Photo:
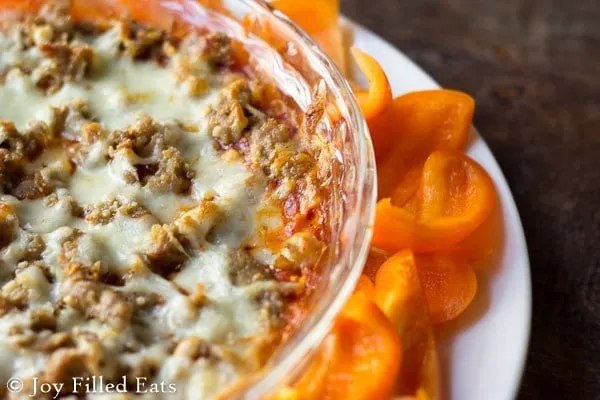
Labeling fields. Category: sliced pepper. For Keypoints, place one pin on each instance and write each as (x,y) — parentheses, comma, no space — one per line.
(366,286)
(404,192)
(479,247)
(359,359)
(78,8)
(421,395)
(320,19)
(21,5)
(313,16)
(375,260)
(455,197)
(379,95)
(449,285)
(399,295)
(333,42)
(412,127)
(286,393)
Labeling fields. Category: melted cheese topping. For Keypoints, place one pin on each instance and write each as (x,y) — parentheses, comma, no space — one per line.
(230,320)
(118,90)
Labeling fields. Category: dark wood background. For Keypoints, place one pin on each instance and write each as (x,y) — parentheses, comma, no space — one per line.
(534,69)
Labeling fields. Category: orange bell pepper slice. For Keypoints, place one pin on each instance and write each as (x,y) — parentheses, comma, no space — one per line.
(359,359)
(313,16)
(412,127)
(79,8)
(449,284)
(421,395)
(375,260)
(455,197)
(399,295)
(480,246)
(333,42)
(320,19)
(379,96)
(366,286)
(21,5)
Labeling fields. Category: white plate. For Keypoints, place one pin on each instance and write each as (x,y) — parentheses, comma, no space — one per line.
(483,352)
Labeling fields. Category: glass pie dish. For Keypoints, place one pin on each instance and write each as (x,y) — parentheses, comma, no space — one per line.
(300,70)
(307,68)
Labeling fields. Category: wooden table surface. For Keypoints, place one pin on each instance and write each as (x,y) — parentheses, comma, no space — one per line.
(534,69)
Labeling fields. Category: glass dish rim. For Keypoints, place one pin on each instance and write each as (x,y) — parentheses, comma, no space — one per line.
(366,192)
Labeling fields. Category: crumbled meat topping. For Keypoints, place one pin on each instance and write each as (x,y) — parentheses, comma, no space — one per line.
(14,295)
(234,111)
(246,269)
(16,148)
(63,59)
(266,138)
(300,251)
(194,225)
(69,121)
(9,224)
(30,284)
(141,41)
(33,187)
(291,164)
(144,227)
(51,343)
(167,253)
(101,213)
(193,348)
(146,137)
(53,23)
(42,319)
(97,301)
(173,173)
(134,210)
(216,49)
(56,15)
(34,248)
(65,62)
(196,86)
